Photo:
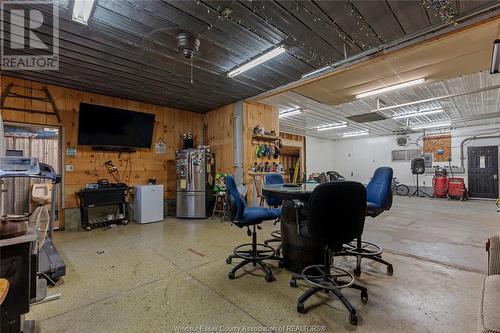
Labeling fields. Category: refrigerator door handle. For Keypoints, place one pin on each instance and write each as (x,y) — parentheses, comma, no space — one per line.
(188,172)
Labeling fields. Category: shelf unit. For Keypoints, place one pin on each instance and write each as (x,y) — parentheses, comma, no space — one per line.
(265,138)
(255,173)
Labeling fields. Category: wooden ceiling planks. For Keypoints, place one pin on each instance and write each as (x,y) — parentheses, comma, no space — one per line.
(318,50)
(129,47)
(380,18)
(411,14)
(344,14)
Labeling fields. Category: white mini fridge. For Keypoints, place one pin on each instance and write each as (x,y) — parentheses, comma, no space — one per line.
(148,204)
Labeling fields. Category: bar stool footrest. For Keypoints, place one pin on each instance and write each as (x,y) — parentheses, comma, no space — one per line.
(367,249)
(336,279)
(262,251)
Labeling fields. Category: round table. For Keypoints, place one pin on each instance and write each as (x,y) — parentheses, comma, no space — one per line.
(298,252)
(4,289)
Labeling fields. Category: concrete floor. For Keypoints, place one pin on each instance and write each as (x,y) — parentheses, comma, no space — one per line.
(172,276)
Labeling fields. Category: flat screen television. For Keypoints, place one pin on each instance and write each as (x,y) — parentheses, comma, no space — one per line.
(112,127)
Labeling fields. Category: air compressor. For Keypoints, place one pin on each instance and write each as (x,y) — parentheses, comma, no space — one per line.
(440,183)
(456,187)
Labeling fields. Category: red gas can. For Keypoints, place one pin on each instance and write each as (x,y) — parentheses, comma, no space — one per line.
(456,188)
(440,185)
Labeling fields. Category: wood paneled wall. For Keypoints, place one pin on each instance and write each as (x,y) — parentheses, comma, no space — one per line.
(214,129)
(89,165)
(219,135)
(256,114)
(218,131)
(293,149)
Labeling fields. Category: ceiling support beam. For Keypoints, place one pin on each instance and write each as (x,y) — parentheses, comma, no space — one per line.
(433,99)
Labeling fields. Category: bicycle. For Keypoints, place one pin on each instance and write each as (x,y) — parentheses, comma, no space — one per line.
(399,189)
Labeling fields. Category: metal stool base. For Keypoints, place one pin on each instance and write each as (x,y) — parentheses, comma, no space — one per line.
(255,254)
(328,283)
(276,234)
(261,252)
(337,278)
(367,250)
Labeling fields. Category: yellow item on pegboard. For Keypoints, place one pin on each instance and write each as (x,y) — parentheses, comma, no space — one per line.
(296,172)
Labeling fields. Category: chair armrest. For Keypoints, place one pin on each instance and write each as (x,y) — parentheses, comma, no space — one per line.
(298,205)
(493,248)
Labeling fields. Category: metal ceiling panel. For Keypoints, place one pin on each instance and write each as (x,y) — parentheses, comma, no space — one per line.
(472,109)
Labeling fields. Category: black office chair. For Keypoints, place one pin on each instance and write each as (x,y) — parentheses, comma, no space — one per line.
(250,217)
(379,199)
(335,216)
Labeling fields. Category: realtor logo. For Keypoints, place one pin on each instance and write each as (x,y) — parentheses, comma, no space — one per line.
(29,35)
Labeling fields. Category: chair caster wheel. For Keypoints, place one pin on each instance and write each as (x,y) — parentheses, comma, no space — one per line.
(300,308)
(353,319)
(390,270)
(293,284)
(278,252)
(230,275)
(269,277)
(281,264)
(364,296)
(228,261)
(357,272)
(88,228)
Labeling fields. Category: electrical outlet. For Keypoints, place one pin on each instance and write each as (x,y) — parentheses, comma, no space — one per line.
(70,168)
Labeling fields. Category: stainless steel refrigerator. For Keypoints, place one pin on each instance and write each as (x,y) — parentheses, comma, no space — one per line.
(195,180)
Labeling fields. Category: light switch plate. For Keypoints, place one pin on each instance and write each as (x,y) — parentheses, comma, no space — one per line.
(71,151)
(70,167)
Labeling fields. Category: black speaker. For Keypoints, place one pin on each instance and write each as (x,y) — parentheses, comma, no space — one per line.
(417,166)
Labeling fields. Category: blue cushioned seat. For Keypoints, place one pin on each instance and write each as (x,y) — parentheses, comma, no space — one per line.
(371,205)
(255,215)
(273,179)
(244,216)
(379,192)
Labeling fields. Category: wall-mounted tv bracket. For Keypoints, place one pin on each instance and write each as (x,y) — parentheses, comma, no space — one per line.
(8,92)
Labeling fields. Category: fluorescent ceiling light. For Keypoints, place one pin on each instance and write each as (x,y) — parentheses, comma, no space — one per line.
(319,70)
(330,127)
(82,10)
(425,126)
(257,61)
(390,88)
(417,114)
(290,113)
(351,134)
(495,57)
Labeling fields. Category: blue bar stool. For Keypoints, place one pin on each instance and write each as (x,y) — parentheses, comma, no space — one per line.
(379,199)
(250,217)
(274,178)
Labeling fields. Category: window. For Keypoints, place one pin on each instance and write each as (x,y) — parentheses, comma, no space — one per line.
(403,155)
(398,155)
